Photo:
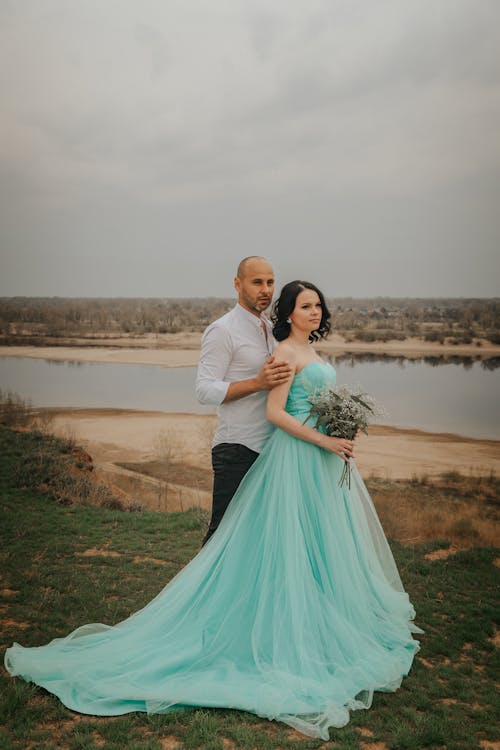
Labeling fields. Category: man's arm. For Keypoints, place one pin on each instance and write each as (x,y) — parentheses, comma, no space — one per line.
(215,358)
(269,376)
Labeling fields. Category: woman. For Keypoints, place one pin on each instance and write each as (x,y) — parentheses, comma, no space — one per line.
(294,610)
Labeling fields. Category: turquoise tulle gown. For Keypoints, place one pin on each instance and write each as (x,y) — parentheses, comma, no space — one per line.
(294,610)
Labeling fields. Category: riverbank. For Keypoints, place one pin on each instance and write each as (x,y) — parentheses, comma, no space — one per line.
(125,443)
(182,349)
(143,447)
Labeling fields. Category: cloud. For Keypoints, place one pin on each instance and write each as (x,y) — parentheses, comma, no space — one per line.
(156,44)
(181,109)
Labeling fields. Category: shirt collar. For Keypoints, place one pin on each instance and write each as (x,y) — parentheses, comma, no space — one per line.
(251,317)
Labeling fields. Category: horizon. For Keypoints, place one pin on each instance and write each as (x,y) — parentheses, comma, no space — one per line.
(437,297)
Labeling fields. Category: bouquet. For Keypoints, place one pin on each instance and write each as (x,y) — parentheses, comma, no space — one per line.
(342,414)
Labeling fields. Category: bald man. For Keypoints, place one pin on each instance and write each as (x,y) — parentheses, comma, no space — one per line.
(236,369)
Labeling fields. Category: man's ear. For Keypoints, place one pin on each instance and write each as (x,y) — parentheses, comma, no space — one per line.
(237,284)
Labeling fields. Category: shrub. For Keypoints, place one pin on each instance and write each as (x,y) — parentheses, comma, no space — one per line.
(434,336)
(451,476)
(59,469)
(15,411)
(493,337)
(465,529)
(365,335)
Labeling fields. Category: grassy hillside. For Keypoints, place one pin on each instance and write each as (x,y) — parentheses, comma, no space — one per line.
(63,565)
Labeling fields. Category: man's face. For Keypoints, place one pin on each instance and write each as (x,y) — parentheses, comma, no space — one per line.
(255,289)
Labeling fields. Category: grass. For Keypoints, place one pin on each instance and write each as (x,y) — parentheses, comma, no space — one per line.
(64,565)
(464,510)
(177,472)
(61,470)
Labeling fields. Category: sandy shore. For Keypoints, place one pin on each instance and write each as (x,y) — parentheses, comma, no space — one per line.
(114,436)
(182,350)
(161,357)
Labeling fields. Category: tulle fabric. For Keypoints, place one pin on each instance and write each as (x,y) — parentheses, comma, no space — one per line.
(294,610)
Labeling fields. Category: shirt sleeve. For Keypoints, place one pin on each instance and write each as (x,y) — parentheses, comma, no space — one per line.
(215,357)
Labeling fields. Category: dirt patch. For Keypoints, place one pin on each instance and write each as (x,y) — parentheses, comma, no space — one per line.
(495,638)
(373,746)
(170,742)
(8,592)
(427,664)
(365,732)
(98,553)
(154,560)
(292,734)
(441,554)
(487,745)
(58,728)
(14,624)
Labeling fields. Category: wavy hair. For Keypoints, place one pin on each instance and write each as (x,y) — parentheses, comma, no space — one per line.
(285,305)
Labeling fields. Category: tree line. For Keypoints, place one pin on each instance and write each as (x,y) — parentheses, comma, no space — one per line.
(457,320)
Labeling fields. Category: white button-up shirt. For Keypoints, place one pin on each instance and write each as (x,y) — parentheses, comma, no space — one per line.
(234,348)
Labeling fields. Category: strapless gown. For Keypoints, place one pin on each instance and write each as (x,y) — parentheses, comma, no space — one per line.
(294,610)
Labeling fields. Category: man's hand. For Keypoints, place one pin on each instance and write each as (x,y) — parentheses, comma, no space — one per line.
(273,373)
(269,376)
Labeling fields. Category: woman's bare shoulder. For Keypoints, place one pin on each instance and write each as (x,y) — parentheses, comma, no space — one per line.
(285,351)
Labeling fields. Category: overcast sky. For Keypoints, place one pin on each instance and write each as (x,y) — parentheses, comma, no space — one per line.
(146,146)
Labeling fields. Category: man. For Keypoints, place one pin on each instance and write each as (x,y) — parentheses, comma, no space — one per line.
(236,369)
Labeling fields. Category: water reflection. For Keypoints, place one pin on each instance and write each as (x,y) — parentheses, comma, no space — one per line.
(68,362)
(452,394)
(467,362)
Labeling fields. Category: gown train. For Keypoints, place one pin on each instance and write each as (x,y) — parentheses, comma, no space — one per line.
(294,610)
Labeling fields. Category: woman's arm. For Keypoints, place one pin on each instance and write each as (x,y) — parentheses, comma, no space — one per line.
(276,414)
(215,357)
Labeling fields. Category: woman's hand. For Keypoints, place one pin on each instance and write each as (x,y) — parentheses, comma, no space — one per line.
(340,446)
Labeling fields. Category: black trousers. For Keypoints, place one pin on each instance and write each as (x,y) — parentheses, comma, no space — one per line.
(230,462)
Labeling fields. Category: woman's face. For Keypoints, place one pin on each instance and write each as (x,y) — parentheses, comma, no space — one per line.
(307,313)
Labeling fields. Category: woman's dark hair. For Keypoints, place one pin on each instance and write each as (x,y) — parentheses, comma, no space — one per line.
(285,305)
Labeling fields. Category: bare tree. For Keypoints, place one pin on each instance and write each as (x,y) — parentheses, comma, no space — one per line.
(169,448)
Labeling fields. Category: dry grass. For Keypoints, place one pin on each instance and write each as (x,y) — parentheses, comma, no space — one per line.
(464,510)
(177,472)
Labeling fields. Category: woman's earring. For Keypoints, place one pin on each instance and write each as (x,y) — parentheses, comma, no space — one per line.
(288,321)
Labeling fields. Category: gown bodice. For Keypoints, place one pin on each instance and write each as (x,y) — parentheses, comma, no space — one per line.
(313,377)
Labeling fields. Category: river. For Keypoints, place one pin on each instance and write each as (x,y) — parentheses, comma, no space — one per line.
(459,397)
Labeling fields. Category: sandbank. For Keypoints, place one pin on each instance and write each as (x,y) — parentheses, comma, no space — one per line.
(115,436)
(160,357)
(128,436)
(182,350)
